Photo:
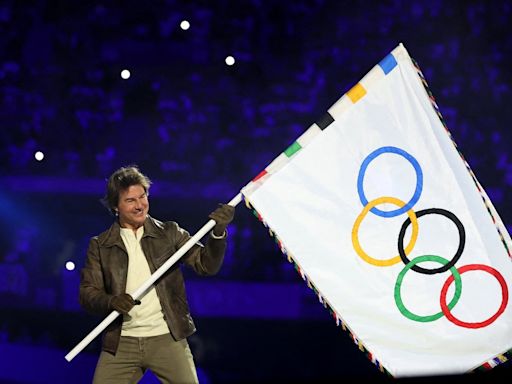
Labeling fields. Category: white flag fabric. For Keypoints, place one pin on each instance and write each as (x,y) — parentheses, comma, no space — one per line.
(388,224)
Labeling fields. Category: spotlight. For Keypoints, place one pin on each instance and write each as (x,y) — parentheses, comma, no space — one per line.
(125,74)
(70,266)
(185,25)
(230,60)
(39,156)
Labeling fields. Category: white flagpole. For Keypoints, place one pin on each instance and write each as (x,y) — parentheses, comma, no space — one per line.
(149,282)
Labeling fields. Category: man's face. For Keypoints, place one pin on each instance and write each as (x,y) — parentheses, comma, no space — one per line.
(133,207)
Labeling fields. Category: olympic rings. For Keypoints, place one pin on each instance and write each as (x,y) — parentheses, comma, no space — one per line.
(458,253)
(402,253)
(355,231)
(474,267)
(419,180)
(398,298)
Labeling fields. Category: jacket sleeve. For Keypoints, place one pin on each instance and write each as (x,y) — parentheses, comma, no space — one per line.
(203,259)
(93,296)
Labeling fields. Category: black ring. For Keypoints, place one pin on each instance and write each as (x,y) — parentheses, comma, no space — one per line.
(458,254)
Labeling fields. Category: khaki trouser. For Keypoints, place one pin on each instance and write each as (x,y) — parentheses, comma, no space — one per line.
(171,361)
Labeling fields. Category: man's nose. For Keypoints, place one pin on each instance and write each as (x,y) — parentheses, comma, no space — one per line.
(138,204)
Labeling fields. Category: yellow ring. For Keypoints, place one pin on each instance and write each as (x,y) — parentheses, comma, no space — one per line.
(355,230)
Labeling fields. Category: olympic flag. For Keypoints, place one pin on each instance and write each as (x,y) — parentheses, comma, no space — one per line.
(387,223)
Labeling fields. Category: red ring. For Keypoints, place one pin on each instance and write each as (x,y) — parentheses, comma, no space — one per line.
(473,267)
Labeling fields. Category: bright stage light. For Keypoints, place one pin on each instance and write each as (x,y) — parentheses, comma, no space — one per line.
(70,266)
(230,60)
(39,155)
(185,25)
(125,74)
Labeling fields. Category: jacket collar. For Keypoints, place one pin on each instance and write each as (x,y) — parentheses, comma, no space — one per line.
(112,236)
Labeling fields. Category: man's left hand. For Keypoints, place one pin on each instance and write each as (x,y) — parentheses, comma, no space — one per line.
(223,215)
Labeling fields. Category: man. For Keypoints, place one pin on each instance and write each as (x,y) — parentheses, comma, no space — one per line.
(152,332)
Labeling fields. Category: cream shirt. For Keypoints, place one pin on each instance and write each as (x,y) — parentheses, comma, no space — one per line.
(146,319)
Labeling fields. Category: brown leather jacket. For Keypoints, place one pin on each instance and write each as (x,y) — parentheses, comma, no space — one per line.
(104,274)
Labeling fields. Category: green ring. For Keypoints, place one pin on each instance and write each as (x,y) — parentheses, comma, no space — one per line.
(398,299)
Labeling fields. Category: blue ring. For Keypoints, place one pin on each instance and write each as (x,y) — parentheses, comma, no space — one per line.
(419,181)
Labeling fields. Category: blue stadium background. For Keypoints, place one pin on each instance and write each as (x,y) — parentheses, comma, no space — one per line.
(201,130)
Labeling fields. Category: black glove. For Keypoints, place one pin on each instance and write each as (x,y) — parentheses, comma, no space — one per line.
(123,303)
(223,215)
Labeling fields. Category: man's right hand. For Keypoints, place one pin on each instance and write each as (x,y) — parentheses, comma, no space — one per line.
(123,303)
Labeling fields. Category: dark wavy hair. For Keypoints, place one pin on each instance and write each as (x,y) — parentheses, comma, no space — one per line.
(121,180)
